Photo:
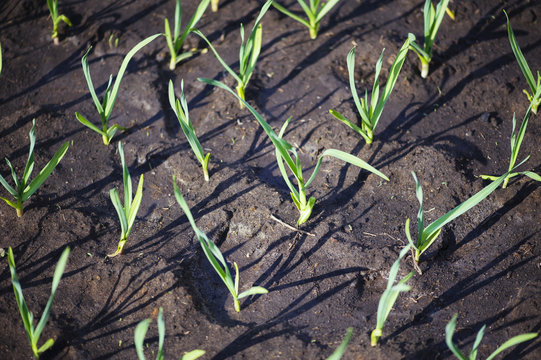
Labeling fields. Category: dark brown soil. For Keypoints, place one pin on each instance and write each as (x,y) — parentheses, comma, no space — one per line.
(449,128)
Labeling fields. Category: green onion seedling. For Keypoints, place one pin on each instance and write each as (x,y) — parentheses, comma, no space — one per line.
(105,107)
(181,111)
(175,41)
(534,86)
(28,318)
(370,112)
(450,329)
(284,150)
(139,338)
(432,19)
(313,11)
(339,352)
(389,296)
(516,141)
(24,188)
(128,212)
(215,257)
(214,5)
(57,18)
(427,235)
(248,53)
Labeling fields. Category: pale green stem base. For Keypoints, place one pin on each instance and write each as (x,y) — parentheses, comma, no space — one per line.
(374,336)
(240,92)
(121,244)
(424,68)
(237,304)
(105,139)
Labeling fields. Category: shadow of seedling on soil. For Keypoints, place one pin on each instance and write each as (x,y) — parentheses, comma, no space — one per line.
(119,304)
(466,287)
(260,333)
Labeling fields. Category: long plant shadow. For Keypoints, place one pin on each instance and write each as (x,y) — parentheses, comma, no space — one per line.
(467,286)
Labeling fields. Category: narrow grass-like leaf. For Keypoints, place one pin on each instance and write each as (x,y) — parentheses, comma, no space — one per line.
(389,296)
(450,329)
(339,352)
(26,315)
(215,257)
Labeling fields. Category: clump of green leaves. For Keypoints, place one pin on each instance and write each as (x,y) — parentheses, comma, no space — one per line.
(105,107)
(139,338)
(389,296)
(450,329)
(128,212)
(534,98)
(24,188)
(284,152)
(432,21)
(28,318)
(215,257)
(516,142)
(181,111)
(339,352)
(57,18)
(214,5)
(248,53)
(175,41)
(370,112)
(315,10)
(427,235)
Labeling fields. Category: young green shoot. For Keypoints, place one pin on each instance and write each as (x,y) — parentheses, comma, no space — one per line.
(370,111)
(450,329)
(128,212)
(516,142)
(389,296)
(214,5)
(24,188)
(432,20)
(28,318)
(287,152)
(139,339)
(315,10)
(181,111)
(248,53)
(105,107)
(427,235)
(57,18)
(175,41)
(215,257)
(534,98)
(340,350)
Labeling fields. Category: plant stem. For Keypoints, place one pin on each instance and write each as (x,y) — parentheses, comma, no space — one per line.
(214,5)
(374,336)
(173,63)
(424,68)
(206,173)
(237,304)
(240,92)
(19,209)
(105,139)
(313,31)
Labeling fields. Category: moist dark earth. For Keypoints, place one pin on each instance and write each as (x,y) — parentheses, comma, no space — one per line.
(449,128)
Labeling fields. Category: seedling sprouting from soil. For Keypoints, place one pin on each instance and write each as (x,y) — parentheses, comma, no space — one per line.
(516,141)
(57,18)
(105,107)
(139,338)
(315,10)
(432,20)
(389,296)
(339,352)
(450,329)
(534,98)
(214,5)
(28,318)
(427,235)
(181,111)
(24,188)
(175,41)
(248,52)
(215,257)
(128,212)
(284,150)
(370,112)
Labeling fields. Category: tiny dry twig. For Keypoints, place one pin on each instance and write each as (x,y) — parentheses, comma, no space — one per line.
(291,227)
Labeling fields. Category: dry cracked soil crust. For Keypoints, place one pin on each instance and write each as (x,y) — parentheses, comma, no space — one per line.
(449,128)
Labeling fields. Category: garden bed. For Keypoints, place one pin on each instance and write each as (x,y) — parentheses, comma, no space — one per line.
(448,128)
